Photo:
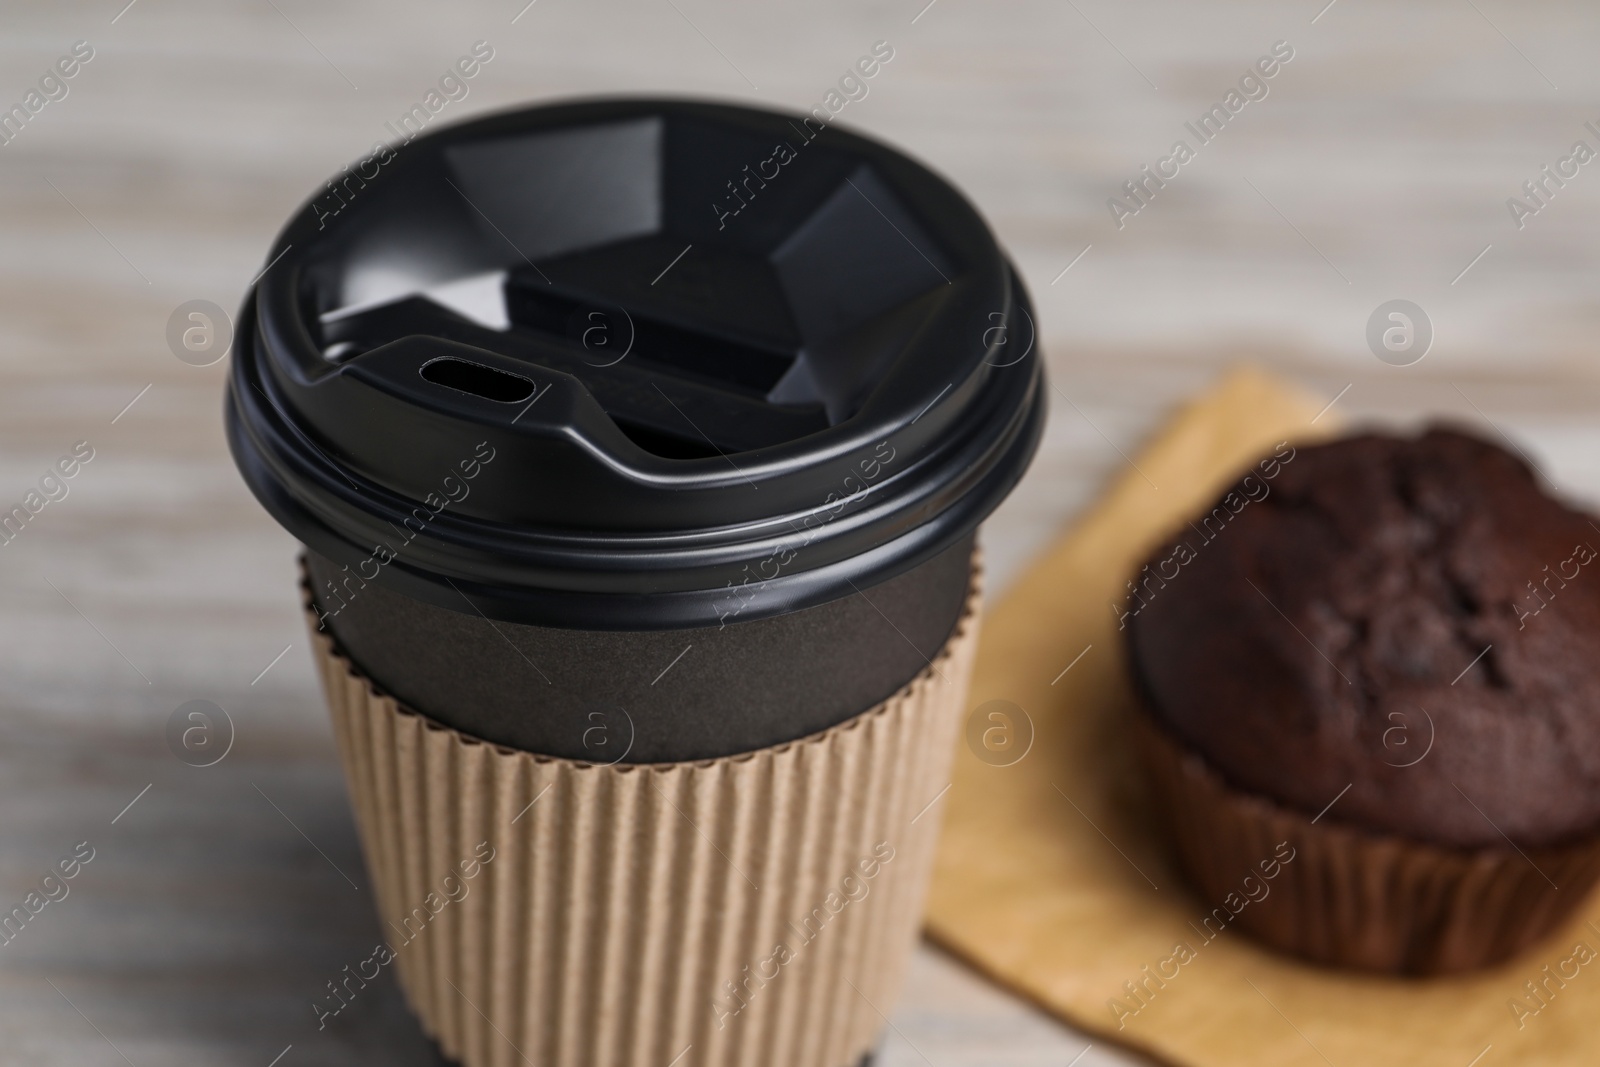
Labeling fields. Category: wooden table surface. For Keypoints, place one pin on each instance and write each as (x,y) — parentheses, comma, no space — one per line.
(1378,166)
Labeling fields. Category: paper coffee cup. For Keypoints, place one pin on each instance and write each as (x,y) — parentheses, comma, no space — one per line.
(640,443)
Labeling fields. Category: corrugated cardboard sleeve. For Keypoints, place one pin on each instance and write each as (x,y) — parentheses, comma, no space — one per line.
(621,901)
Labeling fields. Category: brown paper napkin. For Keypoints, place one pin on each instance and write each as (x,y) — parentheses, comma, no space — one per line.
(1052,880)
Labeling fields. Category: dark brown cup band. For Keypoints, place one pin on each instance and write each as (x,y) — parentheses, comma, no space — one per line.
(664,696)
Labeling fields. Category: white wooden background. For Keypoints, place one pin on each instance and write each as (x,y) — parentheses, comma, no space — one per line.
(1378,167)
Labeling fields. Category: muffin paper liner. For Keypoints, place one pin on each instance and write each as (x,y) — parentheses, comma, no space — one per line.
(1350,898)
(758,908)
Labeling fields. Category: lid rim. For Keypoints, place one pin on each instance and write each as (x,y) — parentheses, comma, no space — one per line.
(665,609)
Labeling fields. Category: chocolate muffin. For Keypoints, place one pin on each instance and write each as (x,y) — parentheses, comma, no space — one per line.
(1380,651)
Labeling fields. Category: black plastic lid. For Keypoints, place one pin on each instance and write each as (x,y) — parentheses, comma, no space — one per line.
(635,364)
